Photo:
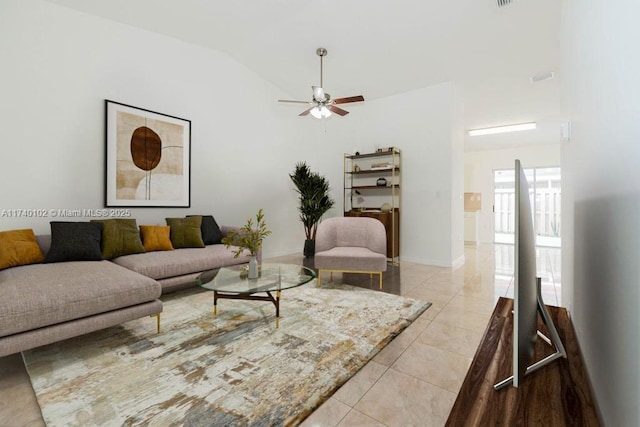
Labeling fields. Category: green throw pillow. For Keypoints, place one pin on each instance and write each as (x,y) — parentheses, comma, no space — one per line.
(186,232)
(120,236)
(211,234)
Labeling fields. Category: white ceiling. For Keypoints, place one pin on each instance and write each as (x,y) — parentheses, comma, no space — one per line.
(379,48)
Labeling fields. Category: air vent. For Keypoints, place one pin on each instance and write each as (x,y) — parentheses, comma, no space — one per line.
(542,77)
(503,3)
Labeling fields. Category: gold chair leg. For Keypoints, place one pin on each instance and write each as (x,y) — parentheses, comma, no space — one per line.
(380,279)
(157,316)
(319,277)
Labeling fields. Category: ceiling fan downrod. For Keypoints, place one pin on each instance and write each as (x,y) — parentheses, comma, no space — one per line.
(321,52)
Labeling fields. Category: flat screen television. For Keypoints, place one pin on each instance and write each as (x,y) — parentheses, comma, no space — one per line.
(527,301)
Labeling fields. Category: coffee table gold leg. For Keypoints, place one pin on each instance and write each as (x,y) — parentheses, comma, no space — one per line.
(277,309)
(215,303)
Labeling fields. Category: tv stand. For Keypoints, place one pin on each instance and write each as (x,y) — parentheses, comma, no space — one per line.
(555,341)
(558,395)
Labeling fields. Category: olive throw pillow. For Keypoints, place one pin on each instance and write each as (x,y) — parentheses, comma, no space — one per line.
(185,232)
(211,234)
(120,236)
(156,238)
(19,247)
(75,241)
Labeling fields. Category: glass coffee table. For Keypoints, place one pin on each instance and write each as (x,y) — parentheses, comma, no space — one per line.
(233,283)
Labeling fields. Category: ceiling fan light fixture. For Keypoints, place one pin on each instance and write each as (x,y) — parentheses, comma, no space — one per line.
(320,111)
(315,112)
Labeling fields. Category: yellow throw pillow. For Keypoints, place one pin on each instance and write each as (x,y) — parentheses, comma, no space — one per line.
(156,238)
(19,247)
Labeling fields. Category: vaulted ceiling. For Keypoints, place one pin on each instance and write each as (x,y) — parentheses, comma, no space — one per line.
(379,48)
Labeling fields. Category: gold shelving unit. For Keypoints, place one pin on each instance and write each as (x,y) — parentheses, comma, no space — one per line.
(372,183)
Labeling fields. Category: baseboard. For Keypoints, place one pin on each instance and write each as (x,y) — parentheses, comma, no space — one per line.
(436,262)
(458,262)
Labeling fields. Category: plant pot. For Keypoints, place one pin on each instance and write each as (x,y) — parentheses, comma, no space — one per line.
(253,268)
(309,248)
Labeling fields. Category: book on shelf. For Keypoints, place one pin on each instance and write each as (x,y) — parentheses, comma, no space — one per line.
(378,166)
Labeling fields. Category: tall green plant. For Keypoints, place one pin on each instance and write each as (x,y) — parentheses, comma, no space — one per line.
(313,190)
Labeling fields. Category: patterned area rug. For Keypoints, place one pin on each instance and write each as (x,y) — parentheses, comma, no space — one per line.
(233,369)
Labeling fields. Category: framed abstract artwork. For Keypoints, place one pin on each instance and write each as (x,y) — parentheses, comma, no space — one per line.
(148,158)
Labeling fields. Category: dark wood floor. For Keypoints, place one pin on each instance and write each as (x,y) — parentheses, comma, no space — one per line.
(557,395)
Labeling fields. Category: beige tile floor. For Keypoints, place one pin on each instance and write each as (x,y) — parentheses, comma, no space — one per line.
(415,379)
(411,382)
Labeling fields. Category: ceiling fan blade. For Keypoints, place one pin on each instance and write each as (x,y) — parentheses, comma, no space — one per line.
(293,102)
(318,93)
(337,110)
(358,98)
(306,112)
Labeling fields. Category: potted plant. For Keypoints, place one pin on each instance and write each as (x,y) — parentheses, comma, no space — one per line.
(249,238)
(314,202)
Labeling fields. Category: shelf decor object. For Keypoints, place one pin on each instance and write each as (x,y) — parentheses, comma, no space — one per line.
(148,160)
(372,189)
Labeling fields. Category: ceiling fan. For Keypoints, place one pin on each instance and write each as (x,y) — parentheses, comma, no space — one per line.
(321,104)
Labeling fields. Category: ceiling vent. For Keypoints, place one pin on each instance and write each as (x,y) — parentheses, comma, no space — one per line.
(542,77)
(503,3)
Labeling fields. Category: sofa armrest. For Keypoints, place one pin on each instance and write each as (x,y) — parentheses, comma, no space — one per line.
(227,228)
(236,229)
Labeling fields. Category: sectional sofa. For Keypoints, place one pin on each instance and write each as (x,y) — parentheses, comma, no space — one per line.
(44,302)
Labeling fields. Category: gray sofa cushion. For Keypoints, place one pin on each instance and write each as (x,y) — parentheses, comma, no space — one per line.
(161,265)
(39,295)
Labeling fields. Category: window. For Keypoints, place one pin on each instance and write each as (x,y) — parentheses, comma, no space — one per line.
(545,194)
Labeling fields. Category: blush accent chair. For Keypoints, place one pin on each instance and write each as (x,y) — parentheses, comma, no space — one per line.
(351,245)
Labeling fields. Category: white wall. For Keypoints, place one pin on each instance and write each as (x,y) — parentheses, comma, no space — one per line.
(601,197)
(457,179)
(322,145)
(58,66)
(478,175)
(426,125)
